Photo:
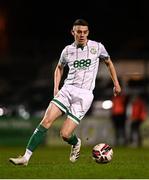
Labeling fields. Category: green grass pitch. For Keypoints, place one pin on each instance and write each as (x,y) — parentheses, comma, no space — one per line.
(53,163)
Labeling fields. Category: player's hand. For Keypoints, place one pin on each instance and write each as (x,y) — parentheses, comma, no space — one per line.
(55,91)
(116,90)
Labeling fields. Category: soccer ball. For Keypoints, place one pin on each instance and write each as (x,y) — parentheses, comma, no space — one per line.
(102,153)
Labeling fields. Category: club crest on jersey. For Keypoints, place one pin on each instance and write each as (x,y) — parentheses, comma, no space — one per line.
(93,50)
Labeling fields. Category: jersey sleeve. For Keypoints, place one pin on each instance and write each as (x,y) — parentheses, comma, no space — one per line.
(103,53)
(62,59)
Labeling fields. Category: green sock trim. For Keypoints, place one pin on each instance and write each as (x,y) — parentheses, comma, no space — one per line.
(42,128)
(37,137)
(72,140)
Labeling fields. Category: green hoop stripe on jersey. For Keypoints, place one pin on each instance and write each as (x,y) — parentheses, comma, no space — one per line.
(74,118)
(60,105)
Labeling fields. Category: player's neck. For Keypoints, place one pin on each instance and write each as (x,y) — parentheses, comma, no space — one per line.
(81,45)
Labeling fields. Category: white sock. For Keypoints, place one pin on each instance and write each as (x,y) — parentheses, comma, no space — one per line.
(28,154)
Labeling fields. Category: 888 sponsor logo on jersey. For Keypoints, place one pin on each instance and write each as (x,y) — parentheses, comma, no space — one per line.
(82,64)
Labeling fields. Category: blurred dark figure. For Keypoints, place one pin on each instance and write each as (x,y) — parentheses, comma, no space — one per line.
(138,115)
(118,116)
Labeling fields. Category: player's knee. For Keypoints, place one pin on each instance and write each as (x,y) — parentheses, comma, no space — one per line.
(46,122)
(64,135)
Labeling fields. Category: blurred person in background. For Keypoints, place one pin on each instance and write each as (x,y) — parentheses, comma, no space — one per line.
(76,95)
(138,116)
(118,116)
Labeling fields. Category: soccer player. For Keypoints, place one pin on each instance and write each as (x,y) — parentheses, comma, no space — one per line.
(76,95)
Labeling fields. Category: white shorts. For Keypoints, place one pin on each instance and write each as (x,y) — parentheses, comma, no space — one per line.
(74,101)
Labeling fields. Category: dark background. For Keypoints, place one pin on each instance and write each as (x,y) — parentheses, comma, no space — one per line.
(42,27)
(33,33)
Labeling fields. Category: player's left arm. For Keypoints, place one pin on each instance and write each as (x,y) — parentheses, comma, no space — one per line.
(113,74)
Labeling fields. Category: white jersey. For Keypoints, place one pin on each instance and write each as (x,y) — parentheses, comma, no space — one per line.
(83,63)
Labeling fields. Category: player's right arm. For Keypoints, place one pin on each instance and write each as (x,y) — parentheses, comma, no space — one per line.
(59,71)
(57,77)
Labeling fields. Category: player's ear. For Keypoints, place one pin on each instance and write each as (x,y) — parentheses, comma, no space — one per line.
(72,32)
(88,32)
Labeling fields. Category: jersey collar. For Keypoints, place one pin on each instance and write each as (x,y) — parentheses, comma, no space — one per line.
(79,46)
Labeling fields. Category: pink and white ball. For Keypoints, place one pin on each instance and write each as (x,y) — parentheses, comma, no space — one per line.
(102,153)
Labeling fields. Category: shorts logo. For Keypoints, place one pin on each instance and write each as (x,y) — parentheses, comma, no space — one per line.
(81,64)
(80,116)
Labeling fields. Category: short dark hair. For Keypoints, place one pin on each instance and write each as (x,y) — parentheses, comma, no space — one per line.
(80,22)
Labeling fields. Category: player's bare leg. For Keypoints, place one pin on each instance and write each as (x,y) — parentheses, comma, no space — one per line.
(66,133)
(51,114)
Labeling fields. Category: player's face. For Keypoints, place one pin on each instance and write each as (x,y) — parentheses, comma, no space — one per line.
(80,34)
